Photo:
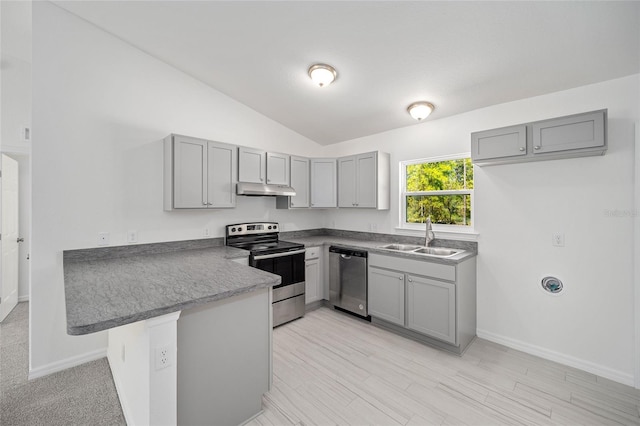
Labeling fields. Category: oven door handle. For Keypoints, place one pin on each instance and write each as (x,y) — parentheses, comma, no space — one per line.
(271,256)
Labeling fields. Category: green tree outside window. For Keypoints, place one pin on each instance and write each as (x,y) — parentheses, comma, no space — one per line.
(454,178)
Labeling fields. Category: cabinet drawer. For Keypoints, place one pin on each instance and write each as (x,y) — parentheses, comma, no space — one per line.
(419,267)
(312,253)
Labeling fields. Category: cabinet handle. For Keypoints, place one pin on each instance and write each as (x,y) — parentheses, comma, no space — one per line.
(400,278)
(292,204)
(268,180)
(410,280)
(537,147)
(209,204)
(522,148)
(204,204)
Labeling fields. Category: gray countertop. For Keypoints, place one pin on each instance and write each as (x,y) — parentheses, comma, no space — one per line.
(103,292)
(373,247)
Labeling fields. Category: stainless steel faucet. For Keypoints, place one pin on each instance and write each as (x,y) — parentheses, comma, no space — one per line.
(429,236)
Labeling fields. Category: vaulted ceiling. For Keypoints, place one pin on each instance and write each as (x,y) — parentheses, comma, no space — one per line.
(458,55)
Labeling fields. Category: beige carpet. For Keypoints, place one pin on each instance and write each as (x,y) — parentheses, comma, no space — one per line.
(83,395)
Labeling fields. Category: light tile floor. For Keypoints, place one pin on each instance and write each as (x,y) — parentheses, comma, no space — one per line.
(330,368)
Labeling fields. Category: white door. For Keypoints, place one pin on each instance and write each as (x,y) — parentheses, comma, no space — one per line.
(9,232)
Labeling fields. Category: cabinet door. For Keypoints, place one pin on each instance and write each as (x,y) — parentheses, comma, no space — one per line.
(431,308)
(499,143)
(568,133)
(300,181)
(221,175)
(386,295)
(277,169)
(189,173)
(347,182)
(312,281)
(323,182)
(366,180)
(251,165)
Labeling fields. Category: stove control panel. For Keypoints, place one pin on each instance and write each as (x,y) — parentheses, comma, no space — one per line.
(252,228)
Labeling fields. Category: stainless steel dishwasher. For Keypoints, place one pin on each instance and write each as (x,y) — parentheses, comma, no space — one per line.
(348,280)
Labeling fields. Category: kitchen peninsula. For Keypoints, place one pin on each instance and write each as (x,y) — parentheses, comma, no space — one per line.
(196,298)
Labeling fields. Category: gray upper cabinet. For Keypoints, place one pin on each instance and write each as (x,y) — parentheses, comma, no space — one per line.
(578,135)
(576,132)
(499,143)
(252,165)
(256,166)
(277,169)
(198,173)
(347,182)
(363,181)
(323,182)
(300,182)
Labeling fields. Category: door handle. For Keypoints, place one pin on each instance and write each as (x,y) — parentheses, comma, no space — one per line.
(345,256)
(20,240)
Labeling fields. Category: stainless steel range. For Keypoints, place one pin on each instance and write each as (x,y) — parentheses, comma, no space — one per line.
(284,258)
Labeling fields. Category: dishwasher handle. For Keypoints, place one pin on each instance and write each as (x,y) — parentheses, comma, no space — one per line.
(347,253)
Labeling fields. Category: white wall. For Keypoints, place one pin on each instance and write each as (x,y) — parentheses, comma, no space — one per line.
(518,207)
(100,111)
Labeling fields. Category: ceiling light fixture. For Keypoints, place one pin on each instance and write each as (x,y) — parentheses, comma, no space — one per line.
(420,110)
(322,74)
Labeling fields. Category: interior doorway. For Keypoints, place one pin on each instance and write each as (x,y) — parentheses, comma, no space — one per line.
(9,235)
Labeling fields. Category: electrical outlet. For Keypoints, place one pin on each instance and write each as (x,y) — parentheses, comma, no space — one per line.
(557,239)
(206,233)
(132,236)
(103,238)
(163,357)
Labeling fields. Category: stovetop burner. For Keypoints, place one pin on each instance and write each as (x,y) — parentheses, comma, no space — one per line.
(258,237)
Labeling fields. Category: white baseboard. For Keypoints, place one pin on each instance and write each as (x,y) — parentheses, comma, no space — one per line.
(23,298)
(64,364)
(588,366)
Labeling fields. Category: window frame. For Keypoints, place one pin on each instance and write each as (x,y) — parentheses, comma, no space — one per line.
(403,225)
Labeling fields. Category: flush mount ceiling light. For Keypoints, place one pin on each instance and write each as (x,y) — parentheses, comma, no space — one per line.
(420,110)
(322,74)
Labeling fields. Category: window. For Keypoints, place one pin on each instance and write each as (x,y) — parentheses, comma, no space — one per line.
(441,188)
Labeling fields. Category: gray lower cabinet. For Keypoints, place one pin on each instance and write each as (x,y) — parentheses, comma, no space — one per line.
(386,295)
(312,274)
(427,301)
(431,307)
(578,135)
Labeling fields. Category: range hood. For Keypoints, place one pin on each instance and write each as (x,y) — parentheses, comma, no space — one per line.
(257,189)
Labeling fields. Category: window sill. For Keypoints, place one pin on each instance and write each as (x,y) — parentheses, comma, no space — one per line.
(443,234)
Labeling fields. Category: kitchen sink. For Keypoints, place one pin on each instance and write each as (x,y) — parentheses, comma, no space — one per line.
(400,247)
(437,251)
(427,251)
